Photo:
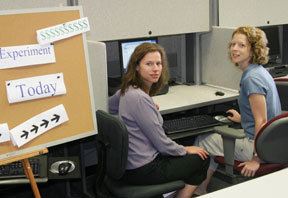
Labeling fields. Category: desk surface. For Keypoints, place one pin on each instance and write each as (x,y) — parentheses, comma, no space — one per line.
(268,186)
(184,97)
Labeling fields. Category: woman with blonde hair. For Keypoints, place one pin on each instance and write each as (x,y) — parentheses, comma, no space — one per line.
(258,101)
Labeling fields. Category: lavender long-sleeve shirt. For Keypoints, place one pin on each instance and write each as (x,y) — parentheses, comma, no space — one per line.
(144,124)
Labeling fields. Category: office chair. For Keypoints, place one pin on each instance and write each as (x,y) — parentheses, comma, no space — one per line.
(112,151)
(271,147)
(282,87)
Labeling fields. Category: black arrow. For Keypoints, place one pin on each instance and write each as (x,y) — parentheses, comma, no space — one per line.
(35,128)
(56,117)
(25,134)
(45,123)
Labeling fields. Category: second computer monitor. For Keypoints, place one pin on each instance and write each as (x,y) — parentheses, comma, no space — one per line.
(273,36)
(127,47)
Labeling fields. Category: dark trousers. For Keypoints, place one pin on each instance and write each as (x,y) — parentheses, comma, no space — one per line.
(189,168)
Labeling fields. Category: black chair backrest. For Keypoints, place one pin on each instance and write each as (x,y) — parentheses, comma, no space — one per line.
(113,133)
(282,86)
(272,140)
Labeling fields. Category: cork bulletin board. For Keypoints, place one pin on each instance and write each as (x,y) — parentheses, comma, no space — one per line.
(19,27)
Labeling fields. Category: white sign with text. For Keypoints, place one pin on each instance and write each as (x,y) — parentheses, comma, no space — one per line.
(26,55)
(36,87)
(4,133)
(38,125)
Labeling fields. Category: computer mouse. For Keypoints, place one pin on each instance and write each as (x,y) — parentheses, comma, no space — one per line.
(64,168)
(228,114)
(222,118)
(219,93)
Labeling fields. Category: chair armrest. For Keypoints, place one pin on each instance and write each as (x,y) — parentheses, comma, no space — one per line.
(229,136)
(229,132)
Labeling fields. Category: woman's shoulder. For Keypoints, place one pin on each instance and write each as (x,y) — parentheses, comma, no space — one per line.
(137,95)
(135,92)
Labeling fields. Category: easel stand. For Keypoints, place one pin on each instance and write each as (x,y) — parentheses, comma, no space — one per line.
(27,168)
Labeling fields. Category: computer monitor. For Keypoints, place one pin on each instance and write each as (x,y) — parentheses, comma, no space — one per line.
(127,47)
(273,36)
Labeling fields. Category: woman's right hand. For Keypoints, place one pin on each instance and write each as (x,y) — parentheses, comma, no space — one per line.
(236,117)
(197,150)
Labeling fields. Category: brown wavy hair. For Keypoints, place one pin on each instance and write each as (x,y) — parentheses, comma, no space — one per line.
(131,77)
(258,42)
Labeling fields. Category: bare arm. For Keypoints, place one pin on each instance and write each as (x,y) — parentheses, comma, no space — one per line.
(259,111)
(258,108)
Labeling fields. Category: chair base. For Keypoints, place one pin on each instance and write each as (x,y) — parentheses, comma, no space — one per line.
(119,189)
(231,179)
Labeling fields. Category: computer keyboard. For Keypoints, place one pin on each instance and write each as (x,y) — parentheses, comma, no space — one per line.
(189,123)
(15,170)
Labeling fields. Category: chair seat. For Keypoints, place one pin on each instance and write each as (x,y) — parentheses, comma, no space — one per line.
(120,189)
(263,170)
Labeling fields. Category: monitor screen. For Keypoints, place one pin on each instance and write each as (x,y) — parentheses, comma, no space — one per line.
(273,37)
(128,47)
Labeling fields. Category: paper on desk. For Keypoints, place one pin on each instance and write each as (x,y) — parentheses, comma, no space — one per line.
(4,133)
(38,125)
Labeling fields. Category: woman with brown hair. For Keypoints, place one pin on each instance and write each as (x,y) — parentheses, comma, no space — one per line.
(153,158)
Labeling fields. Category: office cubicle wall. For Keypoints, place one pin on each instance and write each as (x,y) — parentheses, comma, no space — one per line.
(234,13)
(115,20)
(98,67)
(216,67)
(23,4)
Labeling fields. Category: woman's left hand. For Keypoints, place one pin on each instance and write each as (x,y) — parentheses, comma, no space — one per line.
(197,150)
(250,168)
(157,106)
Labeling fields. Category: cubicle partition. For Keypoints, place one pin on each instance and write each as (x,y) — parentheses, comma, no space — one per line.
(116,20)
(216,67)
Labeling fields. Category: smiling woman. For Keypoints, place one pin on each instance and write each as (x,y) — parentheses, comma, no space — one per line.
(258,100)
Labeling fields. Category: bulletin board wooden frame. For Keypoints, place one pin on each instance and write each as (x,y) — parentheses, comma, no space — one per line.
(71,60)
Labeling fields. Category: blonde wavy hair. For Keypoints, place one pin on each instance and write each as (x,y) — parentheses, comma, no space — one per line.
(258,43)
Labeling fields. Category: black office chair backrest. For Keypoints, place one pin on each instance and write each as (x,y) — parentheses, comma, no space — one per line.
(282,86)
(272,140)
(113,134)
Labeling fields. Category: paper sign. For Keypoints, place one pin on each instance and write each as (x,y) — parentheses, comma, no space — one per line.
(38,125)
(62,31)
(35,87)
(25,55)
(4,133)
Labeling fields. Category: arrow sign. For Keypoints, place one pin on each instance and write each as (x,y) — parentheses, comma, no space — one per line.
(56,117)
(44,123)
(35,128)
(38,125)
(25,134)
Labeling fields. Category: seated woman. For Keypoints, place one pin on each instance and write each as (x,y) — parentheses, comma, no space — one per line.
(258,101)
(153,158)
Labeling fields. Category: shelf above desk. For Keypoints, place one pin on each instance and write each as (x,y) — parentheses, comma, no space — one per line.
(185,97)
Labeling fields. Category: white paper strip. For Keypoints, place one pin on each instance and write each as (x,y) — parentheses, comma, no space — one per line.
(62,31)
(4,133)
(35,87)
(38,125)
(26,55)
